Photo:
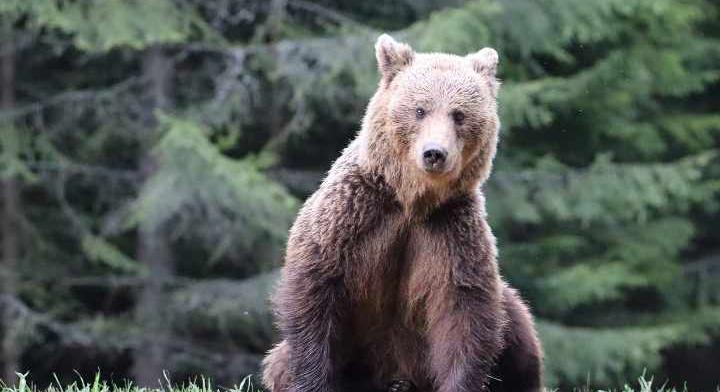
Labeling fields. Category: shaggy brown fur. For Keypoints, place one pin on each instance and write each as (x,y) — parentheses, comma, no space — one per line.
(391,268)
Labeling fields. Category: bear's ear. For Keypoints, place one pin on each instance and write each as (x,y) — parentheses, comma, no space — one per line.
(485,62)
(392,57)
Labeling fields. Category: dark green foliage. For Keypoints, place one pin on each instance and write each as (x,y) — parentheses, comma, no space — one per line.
(225,311)
(604,196)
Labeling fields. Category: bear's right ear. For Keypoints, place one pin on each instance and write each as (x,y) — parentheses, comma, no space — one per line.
(485,62)
(392,57)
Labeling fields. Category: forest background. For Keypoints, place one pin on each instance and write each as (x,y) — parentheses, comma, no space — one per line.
(154,153)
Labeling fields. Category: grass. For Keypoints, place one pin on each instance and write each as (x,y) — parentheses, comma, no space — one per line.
(98,385)
(204,385)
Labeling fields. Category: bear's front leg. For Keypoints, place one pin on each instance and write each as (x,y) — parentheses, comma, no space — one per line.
(465,313)
(465,343)
(328,240)
(309,308)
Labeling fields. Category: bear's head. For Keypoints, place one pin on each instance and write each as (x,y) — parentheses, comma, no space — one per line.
(431,129)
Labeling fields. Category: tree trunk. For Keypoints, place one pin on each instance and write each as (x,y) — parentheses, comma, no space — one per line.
(271,32)
(10,347)
(153,249)
(10,223)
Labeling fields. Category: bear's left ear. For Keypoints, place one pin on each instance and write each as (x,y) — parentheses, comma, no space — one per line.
(392,57)
(485,62)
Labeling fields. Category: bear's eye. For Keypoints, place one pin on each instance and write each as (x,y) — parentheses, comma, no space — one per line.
(458,117)
(419,113)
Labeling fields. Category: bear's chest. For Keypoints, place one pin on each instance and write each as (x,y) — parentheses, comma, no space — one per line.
(391,282)
(392,263)
(376,266)
(388,315)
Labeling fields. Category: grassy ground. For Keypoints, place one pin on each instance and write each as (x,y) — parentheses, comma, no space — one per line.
(247,385)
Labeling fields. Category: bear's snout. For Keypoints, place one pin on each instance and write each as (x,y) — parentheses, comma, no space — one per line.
(434,157)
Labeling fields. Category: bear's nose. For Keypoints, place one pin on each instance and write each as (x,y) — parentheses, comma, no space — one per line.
(434,157)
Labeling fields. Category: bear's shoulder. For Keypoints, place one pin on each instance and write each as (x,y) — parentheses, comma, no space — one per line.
(350,201)
(351,184)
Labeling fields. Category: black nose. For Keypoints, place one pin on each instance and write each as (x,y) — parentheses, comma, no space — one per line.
(434,156)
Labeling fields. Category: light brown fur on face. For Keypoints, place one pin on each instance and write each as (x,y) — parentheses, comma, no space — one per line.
(390,271)
(393,136)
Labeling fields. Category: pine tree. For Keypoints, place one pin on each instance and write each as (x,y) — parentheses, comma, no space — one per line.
(148,141)
(108,148)
(604,167)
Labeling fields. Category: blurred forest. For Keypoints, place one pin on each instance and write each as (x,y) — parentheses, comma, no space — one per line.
(153,155)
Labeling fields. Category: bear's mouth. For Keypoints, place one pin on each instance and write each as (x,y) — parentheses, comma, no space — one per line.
(438,171)
(434,169)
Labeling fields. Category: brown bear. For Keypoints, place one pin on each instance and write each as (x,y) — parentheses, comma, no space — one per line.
(390,275)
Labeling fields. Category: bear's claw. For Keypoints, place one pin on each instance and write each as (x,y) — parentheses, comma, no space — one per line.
(401,386)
